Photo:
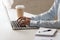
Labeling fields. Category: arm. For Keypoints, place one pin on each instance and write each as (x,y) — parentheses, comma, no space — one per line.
(23,21)
(49,15)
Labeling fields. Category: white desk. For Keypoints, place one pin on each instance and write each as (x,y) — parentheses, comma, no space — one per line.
(6,32)
(30,34)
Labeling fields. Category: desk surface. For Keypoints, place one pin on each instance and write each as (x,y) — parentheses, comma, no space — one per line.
(6,32)
(26,34)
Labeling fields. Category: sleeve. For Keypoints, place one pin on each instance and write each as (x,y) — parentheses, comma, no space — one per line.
(34,23)
(51,24)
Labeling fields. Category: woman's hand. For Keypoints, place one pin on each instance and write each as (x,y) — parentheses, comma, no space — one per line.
(23,21)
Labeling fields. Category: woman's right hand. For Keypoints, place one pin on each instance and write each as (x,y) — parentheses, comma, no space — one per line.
(23,21)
